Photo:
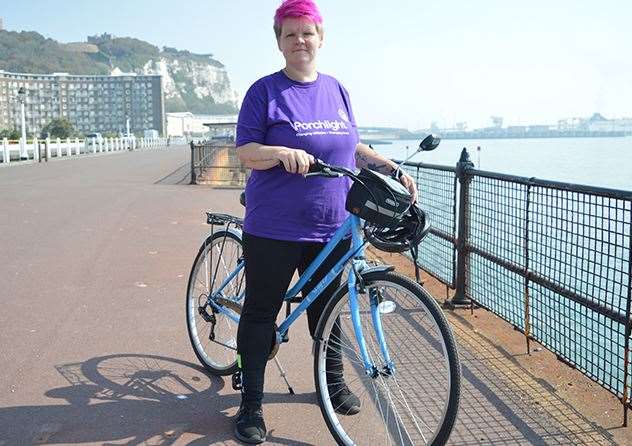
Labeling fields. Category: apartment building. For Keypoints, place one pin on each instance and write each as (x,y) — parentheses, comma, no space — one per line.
(92,103)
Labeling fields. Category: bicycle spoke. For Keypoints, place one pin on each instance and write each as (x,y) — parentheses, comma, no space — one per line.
(407,405)
(217,262)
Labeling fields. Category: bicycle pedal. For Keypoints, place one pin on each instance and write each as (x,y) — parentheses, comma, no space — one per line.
(236,381)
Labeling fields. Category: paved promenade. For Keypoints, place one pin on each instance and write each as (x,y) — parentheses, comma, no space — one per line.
(94,258)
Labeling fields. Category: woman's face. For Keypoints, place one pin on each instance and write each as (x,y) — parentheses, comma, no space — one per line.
(299,41)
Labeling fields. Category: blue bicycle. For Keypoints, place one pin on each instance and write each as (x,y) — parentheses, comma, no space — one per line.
(397,350)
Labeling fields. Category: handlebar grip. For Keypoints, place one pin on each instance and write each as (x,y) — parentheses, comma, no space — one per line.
(317,167)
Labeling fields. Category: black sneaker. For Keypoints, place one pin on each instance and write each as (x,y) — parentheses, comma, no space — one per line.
(249,426)
(343,400)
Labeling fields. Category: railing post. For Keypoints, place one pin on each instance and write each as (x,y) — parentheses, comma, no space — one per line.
(47,147)
(58,148)
(527,296)
(77,147)
(6,151)
(193,176)
(24,154)
(626,398)
(35,150)
(462,172)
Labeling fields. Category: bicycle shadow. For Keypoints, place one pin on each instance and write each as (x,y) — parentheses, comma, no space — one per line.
(136,398)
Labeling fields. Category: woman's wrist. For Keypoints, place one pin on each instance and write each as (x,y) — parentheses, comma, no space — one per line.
(279,152)
(397,173)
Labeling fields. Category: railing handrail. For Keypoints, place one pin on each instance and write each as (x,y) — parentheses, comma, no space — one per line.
(532,251)
(533,181)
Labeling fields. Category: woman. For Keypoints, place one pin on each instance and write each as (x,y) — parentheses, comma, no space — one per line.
(288,119)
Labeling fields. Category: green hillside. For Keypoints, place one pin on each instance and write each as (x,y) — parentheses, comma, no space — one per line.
(30,52)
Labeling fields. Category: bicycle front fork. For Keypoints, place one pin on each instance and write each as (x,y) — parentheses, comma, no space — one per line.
(356,285)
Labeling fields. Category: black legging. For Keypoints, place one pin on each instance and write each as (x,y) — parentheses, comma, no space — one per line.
(270,265)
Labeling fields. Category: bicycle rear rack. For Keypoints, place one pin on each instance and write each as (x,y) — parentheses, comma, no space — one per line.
(221,219)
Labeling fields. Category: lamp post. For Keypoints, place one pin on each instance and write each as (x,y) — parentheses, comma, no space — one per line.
(22,99)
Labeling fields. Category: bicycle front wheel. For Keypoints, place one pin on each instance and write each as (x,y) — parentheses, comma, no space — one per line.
(417,402)
(213,335)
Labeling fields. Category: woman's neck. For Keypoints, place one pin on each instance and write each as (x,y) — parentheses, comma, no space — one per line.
(307,74)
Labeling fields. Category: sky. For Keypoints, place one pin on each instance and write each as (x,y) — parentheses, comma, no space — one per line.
(405,63)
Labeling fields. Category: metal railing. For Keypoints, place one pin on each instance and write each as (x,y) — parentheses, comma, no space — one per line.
(215,163)
(553,259)
(38,149)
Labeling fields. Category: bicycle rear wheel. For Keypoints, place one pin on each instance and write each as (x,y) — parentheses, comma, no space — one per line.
(417,404)
(213,335)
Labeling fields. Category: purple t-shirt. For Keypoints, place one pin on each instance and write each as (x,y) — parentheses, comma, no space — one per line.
(312,116)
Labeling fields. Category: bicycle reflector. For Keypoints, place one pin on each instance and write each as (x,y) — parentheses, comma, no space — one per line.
(386,307)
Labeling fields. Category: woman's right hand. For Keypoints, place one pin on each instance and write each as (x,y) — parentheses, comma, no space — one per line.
(295,160)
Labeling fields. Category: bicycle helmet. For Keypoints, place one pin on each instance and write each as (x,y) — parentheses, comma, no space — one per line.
(401,236)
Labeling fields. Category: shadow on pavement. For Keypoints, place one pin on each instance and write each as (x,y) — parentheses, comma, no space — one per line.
(150,399)
(142,399)
(182,175)
(503,403)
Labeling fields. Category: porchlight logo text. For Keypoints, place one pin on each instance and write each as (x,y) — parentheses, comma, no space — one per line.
(301,127)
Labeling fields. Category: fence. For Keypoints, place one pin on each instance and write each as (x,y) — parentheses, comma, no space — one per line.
(215,163)
(553,259)
(39,149)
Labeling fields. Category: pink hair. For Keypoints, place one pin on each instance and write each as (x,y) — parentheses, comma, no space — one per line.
(297,9)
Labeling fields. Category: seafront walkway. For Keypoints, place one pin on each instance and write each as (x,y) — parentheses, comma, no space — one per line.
(94,259)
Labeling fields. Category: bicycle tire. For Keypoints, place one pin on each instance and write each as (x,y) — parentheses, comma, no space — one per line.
(407,329)
(208,351)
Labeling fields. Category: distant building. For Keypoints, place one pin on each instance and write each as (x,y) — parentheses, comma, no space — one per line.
(92,103)
(611,125)
(188,124)
(569,124)
(1,26)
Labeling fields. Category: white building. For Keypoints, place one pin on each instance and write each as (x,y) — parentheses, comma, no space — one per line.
(188,124)
(91,103)
(611,125)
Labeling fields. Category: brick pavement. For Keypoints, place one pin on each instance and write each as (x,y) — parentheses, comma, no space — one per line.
(95,254)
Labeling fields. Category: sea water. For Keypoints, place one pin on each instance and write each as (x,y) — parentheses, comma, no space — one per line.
(590,257)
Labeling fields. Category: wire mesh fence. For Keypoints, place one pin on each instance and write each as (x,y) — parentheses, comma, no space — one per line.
(215,163)
(437,186)
(553,259)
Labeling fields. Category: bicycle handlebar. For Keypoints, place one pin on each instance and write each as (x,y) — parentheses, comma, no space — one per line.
(322,169)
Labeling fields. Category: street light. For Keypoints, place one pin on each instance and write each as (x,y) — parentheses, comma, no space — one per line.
(22,99)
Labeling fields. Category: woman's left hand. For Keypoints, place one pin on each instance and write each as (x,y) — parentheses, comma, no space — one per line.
(409,183)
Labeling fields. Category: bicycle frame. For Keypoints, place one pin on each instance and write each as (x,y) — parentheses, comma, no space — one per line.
(353,226)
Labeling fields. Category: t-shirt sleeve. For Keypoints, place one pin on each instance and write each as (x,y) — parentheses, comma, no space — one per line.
(252,120)
(347,101)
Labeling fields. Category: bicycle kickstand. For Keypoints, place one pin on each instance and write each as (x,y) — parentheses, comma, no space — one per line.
(283,375)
